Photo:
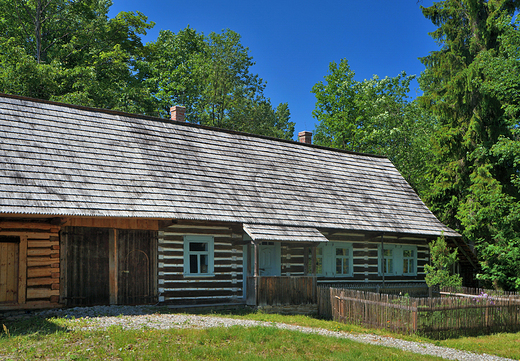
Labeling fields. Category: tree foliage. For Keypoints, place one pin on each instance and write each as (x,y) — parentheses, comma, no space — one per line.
(71,51)
(373,116)
(442,258)
(471,85)
(211,77)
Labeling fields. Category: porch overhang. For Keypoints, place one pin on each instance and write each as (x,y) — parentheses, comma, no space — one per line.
(268,232)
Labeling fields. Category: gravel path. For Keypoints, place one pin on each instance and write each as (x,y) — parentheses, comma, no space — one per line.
(101,317)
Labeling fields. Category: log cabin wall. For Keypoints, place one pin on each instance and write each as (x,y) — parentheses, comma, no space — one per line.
(30,270)
(293,259)
(366,259)
(224,285)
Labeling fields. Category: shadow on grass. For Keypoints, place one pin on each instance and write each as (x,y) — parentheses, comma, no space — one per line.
(27,325)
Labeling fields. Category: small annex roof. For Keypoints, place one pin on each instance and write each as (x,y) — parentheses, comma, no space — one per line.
(263,232)
(63,160)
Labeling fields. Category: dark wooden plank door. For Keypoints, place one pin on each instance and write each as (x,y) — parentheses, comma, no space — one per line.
(87,281)
(8,270)
(136,253)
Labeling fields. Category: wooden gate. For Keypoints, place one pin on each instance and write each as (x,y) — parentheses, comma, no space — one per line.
(87,266)
(107,266)
(9,269)
(136,266)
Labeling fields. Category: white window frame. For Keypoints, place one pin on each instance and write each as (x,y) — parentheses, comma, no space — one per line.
(348,257)
(319,259)
(328,259)
(397,259)
(413,260)
(209,240)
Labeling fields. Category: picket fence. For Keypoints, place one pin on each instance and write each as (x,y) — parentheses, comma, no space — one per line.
(463,313)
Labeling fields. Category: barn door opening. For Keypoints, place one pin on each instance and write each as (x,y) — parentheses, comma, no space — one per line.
(9,258)
(87,269)
(136,267)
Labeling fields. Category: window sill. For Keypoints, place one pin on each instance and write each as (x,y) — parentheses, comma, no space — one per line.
(198,275)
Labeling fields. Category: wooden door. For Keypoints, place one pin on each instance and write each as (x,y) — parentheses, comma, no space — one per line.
(87,270)
(269,259)
(136,253)
(9,254)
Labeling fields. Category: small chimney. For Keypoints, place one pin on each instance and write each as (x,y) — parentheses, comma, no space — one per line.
(305,137)
(178,113)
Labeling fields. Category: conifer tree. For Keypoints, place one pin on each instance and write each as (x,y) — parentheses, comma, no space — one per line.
(471,86)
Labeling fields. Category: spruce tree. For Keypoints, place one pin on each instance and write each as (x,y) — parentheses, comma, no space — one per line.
(474,177)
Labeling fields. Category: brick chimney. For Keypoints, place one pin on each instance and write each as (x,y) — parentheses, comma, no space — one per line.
(178,113)
(305,137)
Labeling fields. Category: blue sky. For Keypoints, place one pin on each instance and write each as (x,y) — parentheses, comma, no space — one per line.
(293,42)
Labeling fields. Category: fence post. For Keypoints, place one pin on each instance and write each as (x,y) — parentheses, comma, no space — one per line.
(414,316)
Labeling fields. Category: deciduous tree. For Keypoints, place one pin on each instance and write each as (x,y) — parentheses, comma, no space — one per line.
(373,116)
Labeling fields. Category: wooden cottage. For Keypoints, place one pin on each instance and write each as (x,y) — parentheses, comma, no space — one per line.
(103,207)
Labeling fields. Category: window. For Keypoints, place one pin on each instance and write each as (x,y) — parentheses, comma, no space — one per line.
(388,261)
(319,261)
(408,261)
(398,260)
(333,259)
(198,255)
(342,261)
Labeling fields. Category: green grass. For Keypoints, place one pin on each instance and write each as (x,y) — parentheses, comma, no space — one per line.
(255,343)
(52,339)
(502,344)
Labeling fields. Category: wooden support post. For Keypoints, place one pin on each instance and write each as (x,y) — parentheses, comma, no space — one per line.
(113,271)
(306,261)
(313,257)
(383,259)
(22,270)
(248,260)
(256,272)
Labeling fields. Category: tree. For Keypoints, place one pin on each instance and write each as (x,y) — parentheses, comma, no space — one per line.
(438,272)
(211,77)
(176,72)
(70,51)
(373,116)
(471,86)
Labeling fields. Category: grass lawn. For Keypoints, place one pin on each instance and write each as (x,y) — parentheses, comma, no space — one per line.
(502,344)
(51,339)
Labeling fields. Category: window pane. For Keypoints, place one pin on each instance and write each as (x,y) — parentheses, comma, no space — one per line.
(341,252)
(319,266)
(345,267)
(407,253)
(339,265)
(193,264)
(405,265)
(198,246)
(390,266)
(319,251)
(203,263)
(388,253)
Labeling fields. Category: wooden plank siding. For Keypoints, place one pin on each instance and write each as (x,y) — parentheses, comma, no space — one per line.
(224,286)
(365,256)
(9,270)
(32,264)
(43,269)
(366,259)
(85,279)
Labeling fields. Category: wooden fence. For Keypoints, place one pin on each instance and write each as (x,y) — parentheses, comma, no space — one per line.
(284,290)
(438,317)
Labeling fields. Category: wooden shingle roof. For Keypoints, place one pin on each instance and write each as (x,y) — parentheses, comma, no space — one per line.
(64,160)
